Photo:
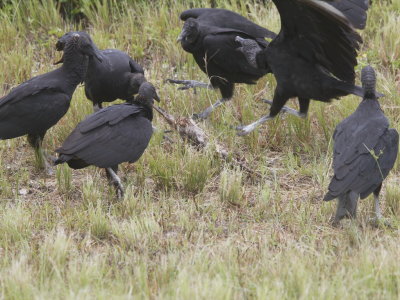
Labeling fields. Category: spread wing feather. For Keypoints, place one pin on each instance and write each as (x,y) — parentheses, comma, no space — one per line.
(222,48)
(319,33)
(354,10)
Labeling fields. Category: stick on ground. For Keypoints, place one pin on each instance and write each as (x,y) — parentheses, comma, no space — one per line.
(195,135)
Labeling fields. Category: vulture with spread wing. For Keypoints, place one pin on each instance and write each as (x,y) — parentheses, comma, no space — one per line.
(211,36)
(313,56)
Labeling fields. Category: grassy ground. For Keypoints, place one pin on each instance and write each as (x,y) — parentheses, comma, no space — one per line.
(191,226)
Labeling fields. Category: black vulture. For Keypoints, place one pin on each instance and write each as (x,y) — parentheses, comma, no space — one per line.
(112,135)
(313,56)
(118,76)
(209,34)
(365,150)
(39,103)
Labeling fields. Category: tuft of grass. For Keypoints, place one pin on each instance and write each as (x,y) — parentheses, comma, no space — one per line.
(392,197)
(64,178)
(231,187)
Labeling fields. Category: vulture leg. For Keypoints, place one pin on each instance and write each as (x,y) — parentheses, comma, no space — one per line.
(378,219)
(97,107)
(190,84)
(304,103)
(347,207)
(35,140)
(244,130)
(206,113)
(115,180)
(378,213)
(276,106)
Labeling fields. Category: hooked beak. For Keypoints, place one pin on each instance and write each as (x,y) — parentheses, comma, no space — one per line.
(60,45)
(181,36)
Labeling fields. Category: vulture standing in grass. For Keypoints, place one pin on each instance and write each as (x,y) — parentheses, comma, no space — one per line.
(115,134)
(211,36)
(118,76)
(365,150)
(313,56)
(39,103)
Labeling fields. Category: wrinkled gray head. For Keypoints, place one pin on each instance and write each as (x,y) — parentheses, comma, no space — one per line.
(368,80)
(147,93)
(86,44)
(249,48)
(189,33)
(63,40)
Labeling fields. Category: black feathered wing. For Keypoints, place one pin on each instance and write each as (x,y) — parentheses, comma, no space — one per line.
(223,18)
(354,10)
(29,109)
(33,86)
(364,152)
(320,34)
(222,48)
(113,135)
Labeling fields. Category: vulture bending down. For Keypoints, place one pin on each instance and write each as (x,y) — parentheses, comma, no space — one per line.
(118,76)
(115,134)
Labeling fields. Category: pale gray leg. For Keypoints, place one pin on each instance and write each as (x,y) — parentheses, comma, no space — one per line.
(97,107)
(379,220)
(378,213)
(190,84)
(244,130)
(286,109)
(116,181)
(206,113)
(45,159)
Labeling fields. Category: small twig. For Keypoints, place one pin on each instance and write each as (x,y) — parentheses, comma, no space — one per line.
(190,131)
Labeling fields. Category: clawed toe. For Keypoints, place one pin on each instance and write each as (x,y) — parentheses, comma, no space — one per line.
(188,84)
(201,116)
(49,171)
(380,222)
(119,191)
(244,130)
(267,101)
